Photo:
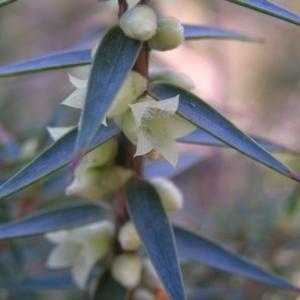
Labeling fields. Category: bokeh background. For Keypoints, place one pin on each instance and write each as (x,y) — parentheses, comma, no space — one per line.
(228,197)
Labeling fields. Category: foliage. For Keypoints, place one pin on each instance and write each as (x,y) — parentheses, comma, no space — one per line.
(117,184)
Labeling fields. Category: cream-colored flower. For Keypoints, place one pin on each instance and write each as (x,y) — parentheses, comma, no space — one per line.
(155,125)
(133,87)
(80,248)
(128,237)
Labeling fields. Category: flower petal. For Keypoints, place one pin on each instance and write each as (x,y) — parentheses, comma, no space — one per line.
(180,127)
(58,237)
(58,132)
(76,99)
(63,255)
(168,149)
(169,105)
(81,271)
(138,110)
(78,83)
(144,145)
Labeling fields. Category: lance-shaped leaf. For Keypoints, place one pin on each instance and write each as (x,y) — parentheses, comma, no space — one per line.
(205,117)
(45,282)
(5,2)
(212,254)
(268,8)
(200,137)
(152,223)
(165,169)
(113,60)
(108,288)
(57,60)
(52,159)
(196,32)
(53,219)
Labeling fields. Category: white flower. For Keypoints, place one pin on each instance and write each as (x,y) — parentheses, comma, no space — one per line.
(80,248)
(132,88)
(155,125)
(128,237)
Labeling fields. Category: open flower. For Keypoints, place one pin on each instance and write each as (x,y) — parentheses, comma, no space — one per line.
(80,248)
(155,125)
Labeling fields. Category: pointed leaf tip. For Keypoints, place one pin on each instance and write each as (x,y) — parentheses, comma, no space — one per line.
(295,176)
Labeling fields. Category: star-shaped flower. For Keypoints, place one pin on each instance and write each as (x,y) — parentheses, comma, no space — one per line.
(80,248)
(155,125)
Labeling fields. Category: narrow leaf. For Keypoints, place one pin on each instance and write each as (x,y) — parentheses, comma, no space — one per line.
(108,288)
(195,32)
(45,282)
(52,220)
(268,8)
(165,169)
(52,159)
(200,137)
(5,2)
(151,221)
(205,117)
(57,60)
(114,59)
(212,254)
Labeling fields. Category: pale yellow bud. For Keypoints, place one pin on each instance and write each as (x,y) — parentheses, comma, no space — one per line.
(133,87)
(169,34)
(166,75)
(128,237)
(126,269)
(142,294)
(149,276)
(99,181)
(169,193)
(139,23)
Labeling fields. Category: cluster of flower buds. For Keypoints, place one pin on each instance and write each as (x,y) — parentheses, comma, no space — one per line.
(141,23)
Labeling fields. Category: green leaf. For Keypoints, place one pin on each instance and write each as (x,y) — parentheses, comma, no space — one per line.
(57,60)
(51,220)
(200,137)
(165,169)
(206,118)
(195,32)
(114,59)
(152,223)
(51,160)
(212,254)
(45,282)
(5,2)
(108,288)
(268,8)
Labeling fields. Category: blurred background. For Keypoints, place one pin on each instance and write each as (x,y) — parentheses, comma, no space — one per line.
(228,197)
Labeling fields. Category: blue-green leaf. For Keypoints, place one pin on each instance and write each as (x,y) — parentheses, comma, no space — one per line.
(108,288)
(113,60)
(212,254)
(45,282)
(52,219)
(5,2)
(268,8)
(206,118)
(195,32)
(152,223)
(57,60)
(52,159)
(165,169)
(200,137)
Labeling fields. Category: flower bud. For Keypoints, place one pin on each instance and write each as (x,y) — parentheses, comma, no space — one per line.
(139,23)
(149,276)
(142,294)
(97,157)
(133,87)
(128,237)
(99,181)
(126,269)
(169,34)
(167,75)
(169,193)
